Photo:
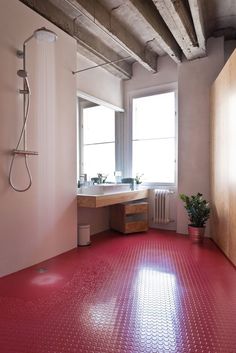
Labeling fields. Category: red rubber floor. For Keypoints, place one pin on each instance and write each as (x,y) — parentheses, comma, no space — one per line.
(142,293)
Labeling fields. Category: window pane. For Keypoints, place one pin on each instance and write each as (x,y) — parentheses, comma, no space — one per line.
(99,124)
(99,159)
(155,159)
(154,116)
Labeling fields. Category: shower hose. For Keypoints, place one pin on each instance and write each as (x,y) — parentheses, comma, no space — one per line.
(22,135)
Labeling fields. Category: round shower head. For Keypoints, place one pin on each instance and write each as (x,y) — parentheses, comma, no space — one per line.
(45,35)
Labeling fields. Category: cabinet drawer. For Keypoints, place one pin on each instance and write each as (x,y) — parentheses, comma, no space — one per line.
(129,217)
(137,226)
(133,208)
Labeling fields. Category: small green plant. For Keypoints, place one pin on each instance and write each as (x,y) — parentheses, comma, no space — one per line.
(101,178)
(197,208)
(138,178)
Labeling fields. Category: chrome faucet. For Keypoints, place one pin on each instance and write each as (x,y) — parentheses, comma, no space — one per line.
(83,177)
(82,180)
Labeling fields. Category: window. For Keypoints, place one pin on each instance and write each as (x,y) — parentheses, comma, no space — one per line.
(154,138)
(97,145)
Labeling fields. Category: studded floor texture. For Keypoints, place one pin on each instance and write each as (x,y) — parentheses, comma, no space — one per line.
(144,293)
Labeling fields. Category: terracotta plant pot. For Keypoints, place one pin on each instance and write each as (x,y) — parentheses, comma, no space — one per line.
(196,234)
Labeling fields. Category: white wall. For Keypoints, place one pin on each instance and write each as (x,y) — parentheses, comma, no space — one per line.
(194,80)
(167,73)
(97,218)
(40,223)
(99,83)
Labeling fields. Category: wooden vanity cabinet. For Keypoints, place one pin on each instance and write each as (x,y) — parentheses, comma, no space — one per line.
(129,217)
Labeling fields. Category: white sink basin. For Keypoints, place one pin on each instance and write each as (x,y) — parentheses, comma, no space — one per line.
(103,189)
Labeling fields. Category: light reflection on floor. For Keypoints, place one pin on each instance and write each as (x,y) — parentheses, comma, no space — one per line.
(46,279)
(157,308)
(103,315)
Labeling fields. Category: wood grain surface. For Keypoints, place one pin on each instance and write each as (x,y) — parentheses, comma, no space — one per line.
(223,159)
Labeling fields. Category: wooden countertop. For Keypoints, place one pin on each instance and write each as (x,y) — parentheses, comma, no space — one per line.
(94,201)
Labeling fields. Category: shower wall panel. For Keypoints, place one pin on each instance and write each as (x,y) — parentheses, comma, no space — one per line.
(42,222)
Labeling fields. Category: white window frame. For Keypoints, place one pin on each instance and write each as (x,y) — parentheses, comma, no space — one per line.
(119,115)
(128,132)
(82,106)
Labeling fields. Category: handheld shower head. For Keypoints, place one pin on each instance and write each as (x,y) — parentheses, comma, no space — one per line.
(45,35)
(22,73)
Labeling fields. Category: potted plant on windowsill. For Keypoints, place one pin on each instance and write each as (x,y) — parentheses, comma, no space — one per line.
(138,180)
(198,211)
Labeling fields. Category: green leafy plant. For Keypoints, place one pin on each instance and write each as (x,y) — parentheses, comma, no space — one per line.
(197,208)
(101,178)
(138,178)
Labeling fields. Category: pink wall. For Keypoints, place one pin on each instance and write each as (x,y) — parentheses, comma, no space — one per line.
(41,222)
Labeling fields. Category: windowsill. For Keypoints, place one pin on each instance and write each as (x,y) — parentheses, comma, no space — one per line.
(153,185)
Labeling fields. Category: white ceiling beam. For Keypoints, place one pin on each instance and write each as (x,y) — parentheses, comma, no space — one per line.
(102,18)
(197,15)
(177,18)
(162,34)
(89,46)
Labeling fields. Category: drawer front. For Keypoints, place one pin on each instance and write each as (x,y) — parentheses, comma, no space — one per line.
(138,226)
(136,208)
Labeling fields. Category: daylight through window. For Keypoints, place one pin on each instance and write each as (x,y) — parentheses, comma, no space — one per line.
(98,141)
(154,137)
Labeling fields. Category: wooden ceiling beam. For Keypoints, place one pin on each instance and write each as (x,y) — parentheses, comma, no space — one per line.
(179,21)
(89,46)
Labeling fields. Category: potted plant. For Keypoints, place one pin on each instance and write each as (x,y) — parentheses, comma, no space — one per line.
(198,211)
(138,180)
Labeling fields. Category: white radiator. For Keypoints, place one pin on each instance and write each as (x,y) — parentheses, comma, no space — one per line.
(162,206)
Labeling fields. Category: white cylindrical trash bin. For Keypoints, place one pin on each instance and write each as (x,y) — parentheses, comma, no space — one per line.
(84,235)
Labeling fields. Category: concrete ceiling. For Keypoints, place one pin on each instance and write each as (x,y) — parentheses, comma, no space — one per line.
(140,30)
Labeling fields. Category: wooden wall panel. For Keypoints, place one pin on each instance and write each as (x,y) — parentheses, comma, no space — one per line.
(232,159)
(223,159)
